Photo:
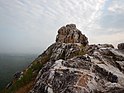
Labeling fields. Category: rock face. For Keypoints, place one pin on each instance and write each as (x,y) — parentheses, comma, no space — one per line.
(101,71)
(70,65)
(121,46)
(74,68)
(70,34)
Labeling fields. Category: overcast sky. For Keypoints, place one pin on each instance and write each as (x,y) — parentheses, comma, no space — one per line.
(30,26)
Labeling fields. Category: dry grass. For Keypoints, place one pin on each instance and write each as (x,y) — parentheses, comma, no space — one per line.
(26,88)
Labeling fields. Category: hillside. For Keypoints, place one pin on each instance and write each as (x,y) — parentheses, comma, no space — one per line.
(71,65)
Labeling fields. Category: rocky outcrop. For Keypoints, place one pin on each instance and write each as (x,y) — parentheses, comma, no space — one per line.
(98,71)
(70,34)
(76,67)
(70,65)
(121,46)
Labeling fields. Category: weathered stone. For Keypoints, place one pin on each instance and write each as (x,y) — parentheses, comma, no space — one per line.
(70,65)
(76,67)
(82,74)
(121,46)
(70,34)
(105,46)
(17,75)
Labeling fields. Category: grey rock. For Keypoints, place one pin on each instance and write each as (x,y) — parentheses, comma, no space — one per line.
(17,75)
(76,67)
(71,65)
(83,74)
(121,46)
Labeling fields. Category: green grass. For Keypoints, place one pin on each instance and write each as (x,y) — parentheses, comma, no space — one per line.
(28,76)
(31,72)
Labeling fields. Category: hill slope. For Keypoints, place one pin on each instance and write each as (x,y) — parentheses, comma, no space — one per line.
(71,65)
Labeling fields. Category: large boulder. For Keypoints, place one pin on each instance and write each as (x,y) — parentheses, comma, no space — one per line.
(121,46)
(70,34)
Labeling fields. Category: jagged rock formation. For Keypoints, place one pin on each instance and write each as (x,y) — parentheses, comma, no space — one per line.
(70,65)
(121,46)
(70,34)
(76,67)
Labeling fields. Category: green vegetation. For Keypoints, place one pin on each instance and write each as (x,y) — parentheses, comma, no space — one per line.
(11,64)
(82,50)
(28,76)
(79,52)
(31,72)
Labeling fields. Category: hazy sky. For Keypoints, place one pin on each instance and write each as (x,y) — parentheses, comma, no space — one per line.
(30,26)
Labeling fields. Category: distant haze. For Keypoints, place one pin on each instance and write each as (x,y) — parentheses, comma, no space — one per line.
(30,26)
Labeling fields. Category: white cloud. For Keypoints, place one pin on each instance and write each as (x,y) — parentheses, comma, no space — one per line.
(39,20)
(117,6)
(112,18)
(110,38)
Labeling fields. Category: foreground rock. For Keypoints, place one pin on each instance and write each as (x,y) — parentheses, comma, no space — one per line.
(100,72)
(73,69)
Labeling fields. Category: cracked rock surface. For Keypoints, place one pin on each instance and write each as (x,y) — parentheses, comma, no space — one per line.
(76,67)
